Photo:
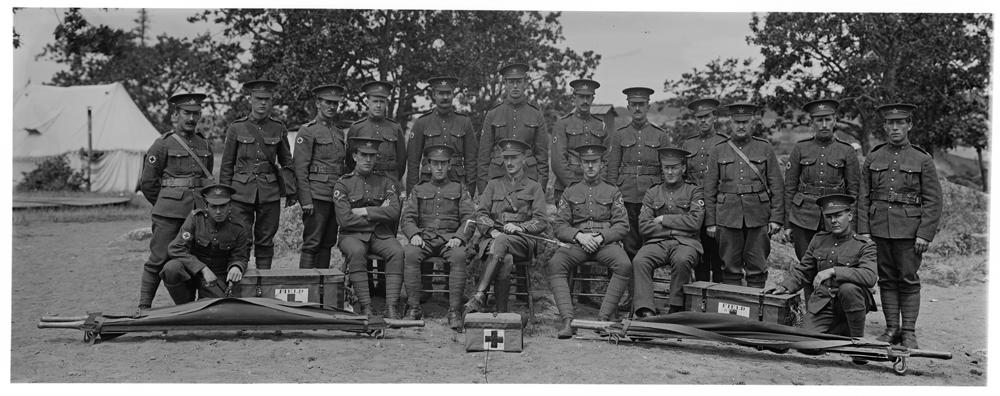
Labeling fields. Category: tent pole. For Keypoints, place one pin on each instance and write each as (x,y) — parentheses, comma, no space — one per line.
(90,146)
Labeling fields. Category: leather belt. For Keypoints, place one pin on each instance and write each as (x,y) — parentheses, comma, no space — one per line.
(592,226)
(892,196)
(736,188)
(182,182)
(640,170)
(821,191)
(435,224)
(262,167)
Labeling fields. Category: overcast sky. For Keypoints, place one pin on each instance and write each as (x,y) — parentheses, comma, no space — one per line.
(637,48)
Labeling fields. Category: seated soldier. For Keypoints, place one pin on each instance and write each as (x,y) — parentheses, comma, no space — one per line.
(210,245)
(509,206)
(432,216)
(841,266)
(592,216)
(670,220)
(367,208)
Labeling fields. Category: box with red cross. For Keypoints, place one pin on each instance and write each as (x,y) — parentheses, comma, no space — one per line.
(493,332)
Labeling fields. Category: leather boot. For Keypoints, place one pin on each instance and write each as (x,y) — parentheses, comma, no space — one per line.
(489,271)
(890,308)
(757,281)
(263,263)
(908,339)
(306,260)
(322,258)
(909,302)
(148,283)
(180,293)
(566,331)
(616,287)
(476,303)
(502,294)
(732,279)
(455,320)
(414,313)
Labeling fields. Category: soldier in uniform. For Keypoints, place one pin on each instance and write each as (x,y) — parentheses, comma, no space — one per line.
(320,159)
(367,206)
(211,250)
(840,265)
(443,125)
(169,181)
(709,268)
(510,205)
(514,118)
(743,199)
(591,217)
(248,165)
(433,218)
(633,164)
(378,125)
(900,206)
(670,220)
(818,166)
(575,129)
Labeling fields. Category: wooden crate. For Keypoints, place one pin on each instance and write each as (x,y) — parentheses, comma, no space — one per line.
(747,302)
(323,286)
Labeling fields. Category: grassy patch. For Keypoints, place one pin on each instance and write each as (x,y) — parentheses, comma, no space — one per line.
(136,209)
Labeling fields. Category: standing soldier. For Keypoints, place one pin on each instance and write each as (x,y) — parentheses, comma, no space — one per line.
(671,217)
(743,194)
(367,207)
(432,216)
(818,166)
(177,165)
(709,268)
(572,130)
(509,207)
(210,251)
(633,164)
(378,125)
(320,159)
(514,118)
(840,265)
(248,165)
(443,125)
(592,217)
(900,207)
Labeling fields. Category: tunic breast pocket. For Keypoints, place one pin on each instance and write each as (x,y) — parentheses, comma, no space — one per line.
(911,177)
(227,244)
(323,148)
(727,168)
(450,201)
(602,207)
(500,131)
(806,168)
(247,146)
(578,207)
(202,241)
(179,159)
(877,170)
(835,173)
(761,165)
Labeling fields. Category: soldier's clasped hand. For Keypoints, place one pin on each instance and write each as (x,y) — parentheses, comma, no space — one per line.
(511,228)
(417,241)
(235,275)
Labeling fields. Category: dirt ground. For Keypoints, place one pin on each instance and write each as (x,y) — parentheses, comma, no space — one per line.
(72,268)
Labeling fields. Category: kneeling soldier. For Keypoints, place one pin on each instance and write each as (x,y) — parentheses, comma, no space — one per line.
(592,216)
(842,269)
(509,207)
(670,221)
(367,208)
(210,245)
(432,217)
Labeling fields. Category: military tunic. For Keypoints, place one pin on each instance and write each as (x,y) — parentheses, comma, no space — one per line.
(742,204)
(844,299)
(391,154)
(203,243)
(379,194)
(320,159)
(246,166)
(170,181)
(674,241)
(523,122)
(505,200)
(815,169)
(452,129)
(634,166)
(710,267)
(595,208)
(900,200)
(570,131)
(437,212)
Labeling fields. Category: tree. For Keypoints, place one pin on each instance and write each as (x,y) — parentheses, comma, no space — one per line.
(150,74)
(935,61)
(304,48)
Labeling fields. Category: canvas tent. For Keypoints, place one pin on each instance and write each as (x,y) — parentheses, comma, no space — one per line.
(50,121)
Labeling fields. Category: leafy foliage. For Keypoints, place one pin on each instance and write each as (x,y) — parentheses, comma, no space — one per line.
(52,174)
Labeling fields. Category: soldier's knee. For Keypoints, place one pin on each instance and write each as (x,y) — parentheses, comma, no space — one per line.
(623,268)
(412,253)
(173,272)
(500,245)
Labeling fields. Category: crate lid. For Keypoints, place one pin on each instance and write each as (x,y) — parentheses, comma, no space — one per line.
(292,275)
(745,293)
(481,320)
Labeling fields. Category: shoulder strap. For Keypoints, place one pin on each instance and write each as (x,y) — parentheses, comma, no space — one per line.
(750,165)
(197,160)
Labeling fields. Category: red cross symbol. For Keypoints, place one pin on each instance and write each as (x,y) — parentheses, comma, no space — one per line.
(494,338)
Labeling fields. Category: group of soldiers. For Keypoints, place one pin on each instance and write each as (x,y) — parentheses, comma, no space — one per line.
(629,199)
